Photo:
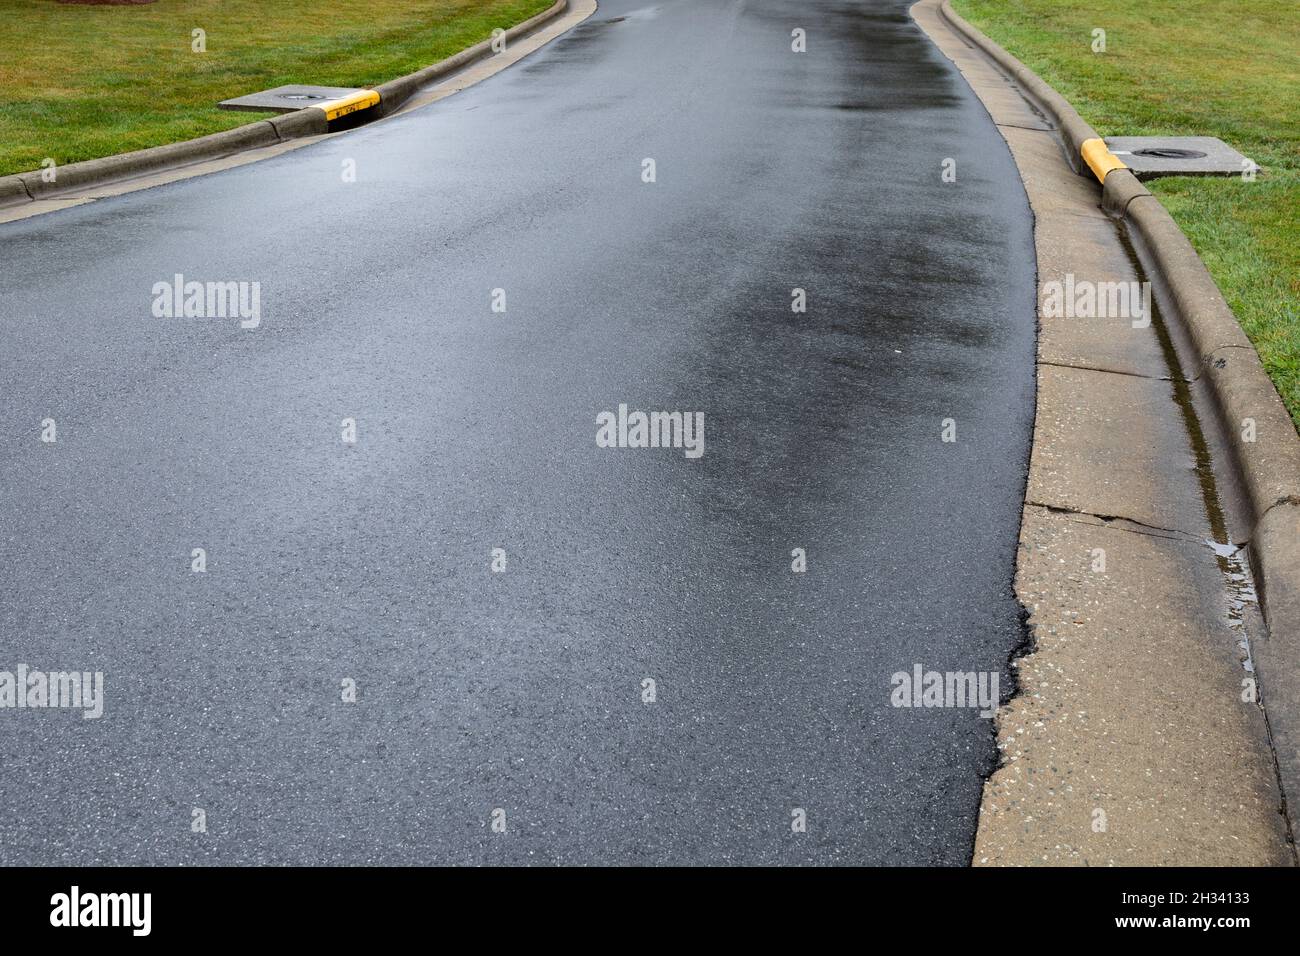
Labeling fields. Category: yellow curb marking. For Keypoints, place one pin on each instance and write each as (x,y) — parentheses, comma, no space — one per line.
(1099,159)
(351,103)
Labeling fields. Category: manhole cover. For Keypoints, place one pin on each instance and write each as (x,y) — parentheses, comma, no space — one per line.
(1167,152)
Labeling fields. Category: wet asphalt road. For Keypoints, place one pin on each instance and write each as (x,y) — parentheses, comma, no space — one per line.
(476,430)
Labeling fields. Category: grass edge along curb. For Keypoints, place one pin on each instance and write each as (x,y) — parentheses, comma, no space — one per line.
(20,188)
(1239,387)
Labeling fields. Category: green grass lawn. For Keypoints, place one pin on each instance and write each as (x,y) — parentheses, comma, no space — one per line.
(80,82)
(1226,68)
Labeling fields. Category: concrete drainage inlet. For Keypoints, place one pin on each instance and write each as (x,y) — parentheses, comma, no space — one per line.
(286,99)
(1150,156)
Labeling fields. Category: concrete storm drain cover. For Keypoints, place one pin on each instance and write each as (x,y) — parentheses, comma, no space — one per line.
(1151,156)
(286,99)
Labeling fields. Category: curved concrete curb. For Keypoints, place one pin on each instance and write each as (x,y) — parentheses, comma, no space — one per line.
(1242,395)
(1074,131)
(396,92)
(311,121)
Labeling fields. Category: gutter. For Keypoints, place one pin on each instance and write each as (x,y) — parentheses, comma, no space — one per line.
(1241,394)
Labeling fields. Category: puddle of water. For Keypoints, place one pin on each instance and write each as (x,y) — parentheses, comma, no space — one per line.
(1241,594)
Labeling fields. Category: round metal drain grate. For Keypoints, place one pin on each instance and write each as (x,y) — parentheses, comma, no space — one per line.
(1169,152)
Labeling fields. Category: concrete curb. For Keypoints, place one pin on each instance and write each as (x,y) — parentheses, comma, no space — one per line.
(29,187)
(1240,390)
(98,172)
(396,92)
(1074,131)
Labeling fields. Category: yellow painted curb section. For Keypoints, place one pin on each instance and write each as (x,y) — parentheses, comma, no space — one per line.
(1099,159)
(349,104)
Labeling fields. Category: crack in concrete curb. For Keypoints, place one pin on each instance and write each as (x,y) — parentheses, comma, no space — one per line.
(1140,527)
(1112,371)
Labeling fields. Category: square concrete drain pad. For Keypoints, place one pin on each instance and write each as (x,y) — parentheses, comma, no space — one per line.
(285,99)
(1151,156)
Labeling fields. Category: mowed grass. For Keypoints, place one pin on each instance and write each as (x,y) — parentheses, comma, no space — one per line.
(80,82)
(1225,68)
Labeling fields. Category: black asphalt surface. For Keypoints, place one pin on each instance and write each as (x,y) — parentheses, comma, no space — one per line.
(476,430)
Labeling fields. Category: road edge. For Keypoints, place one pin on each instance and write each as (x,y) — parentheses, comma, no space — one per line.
(19,189)
(1240,390)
